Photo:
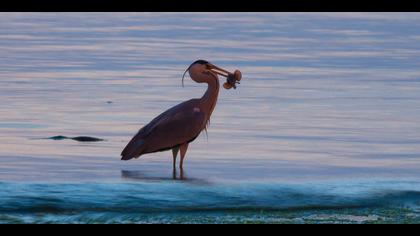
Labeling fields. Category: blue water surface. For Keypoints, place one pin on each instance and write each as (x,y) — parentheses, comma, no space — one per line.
(322,129)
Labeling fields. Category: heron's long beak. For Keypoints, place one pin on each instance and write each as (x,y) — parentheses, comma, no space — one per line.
(218,70)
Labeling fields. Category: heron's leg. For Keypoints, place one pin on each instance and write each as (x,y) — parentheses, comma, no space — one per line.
(183,149)
(174,154)
(181,174)
(174,173)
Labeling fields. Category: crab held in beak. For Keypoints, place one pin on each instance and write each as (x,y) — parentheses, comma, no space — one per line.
(231,78)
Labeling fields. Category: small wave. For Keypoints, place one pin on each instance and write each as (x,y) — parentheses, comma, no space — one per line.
(179,197)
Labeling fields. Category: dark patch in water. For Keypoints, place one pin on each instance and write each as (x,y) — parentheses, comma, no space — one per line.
(78,138)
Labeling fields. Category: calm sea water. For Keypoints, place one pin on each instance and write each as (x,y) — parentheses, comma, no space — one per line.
(323,128)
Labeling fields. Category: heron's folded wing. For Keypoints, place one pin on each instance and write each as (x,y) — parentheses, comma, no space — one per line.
(137,141)
(180,128)
(175,126)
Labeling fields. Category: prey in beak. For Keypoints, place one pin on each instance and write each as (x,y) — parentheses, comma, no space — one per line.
(231,78)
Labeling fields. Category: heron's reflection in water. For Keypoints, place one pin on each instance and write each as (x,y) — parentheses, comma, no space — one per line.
(181,176)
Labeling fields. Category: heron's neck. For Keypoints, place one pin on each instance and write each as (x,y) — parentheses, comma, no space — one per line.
(209,99)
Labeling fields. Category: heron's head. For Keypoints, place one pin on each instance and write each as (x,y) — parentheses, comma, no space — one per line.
(203,66)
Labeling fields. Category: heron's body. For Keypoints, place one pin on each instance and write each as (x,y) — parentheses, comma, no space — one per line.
(178,126)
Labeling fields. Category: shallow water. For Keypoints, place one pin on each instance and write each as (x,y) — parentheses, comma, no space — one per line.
(323,128)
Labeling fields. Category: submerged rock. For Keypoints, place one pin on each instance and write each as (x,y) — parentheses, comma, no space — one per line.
(78,138)
(87,139)
(59,137)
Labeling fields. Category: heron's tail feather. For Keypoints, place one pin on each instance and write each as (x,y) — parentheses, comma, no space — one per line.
(133,149)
